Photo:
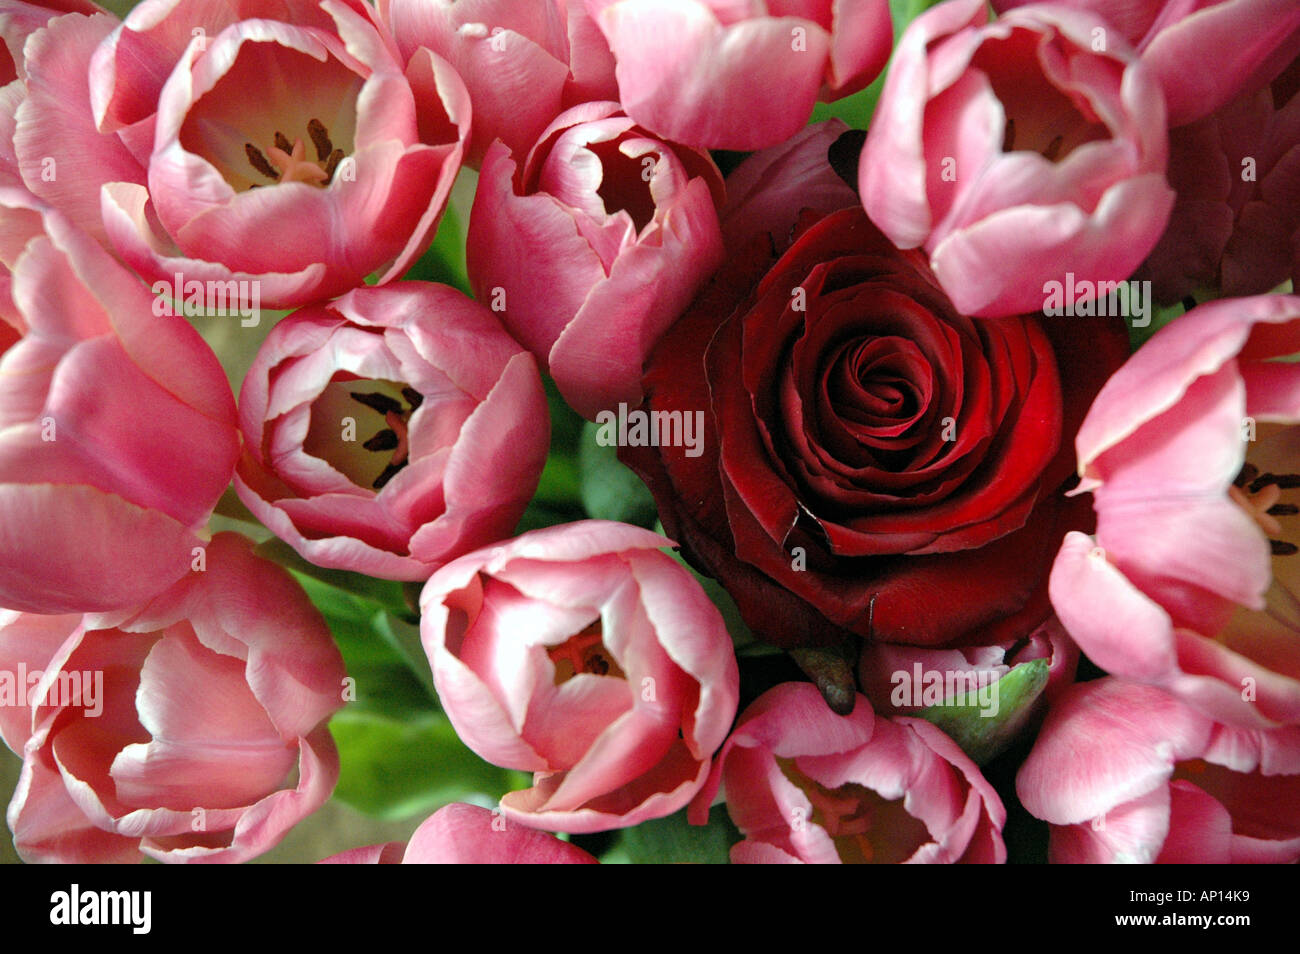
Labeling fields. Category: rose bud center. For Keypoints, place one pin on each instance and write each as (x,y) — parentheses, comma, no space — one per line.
(586,653)
(1040,116)
(300,129)
(883,390)
(866,827)
(382,409)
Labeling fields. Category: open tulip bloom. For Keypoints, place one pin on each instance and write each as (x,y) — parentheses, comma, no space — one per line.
(590,431)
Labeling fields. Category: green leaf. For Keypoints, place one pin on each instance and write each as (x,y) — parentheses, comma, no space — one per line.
(119,7)
(566,423)
(387,688)
(673,840)
(350,618)
(609,489)
(392,769)
(856,110)
(234,343)
(405,638)
(231,507)
(444,261)
(560,484)
(905,11)
(559,493)
(539,515)
(982,736)
(386,678)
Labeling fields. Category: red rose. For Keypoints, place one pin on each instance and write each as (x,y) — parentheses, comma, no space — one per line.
(873,462)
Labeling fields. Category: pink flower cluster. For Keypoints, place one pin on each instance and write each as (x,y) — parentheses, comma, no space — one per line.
(868,377)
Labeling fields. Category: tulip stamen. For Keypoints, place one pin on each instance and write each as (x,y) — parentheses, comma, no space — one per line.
(1009,135)
(388,473)
(395,437)
(382,441)
(286,161)
(400,449)
(332,164)
(258,161)
(1281,481)
(320,139)
(376,401)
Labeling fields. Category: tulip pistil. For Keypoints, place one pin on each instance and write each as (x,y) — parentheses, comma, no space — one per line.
(851,814)
(286,161)
(1258,494)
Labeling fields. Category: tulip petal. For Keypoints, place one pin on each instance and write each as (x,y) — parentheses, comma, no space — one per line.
(1122,740)
(467,834)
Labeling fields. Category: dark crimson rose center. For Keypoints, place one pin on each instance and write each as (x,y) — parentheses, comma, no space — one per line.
(874,462)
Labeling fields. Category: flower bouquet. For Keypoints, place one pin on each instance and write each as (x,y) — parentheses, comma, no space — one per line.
(561,431)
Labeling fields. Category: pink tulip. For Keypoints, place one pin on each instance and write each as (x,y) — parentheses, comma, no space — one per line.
(117,428)
(768,192)
(807,786)
(219,142)
(19,20)
(20,222)
(192,729)
(722,74)
(594,247)
(460,834)
(50,142)
(391,430)
(1127,773)
(1251,40)
(1235,226)
(583,654)
(1190,452)
(1017,141)
(523,63)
